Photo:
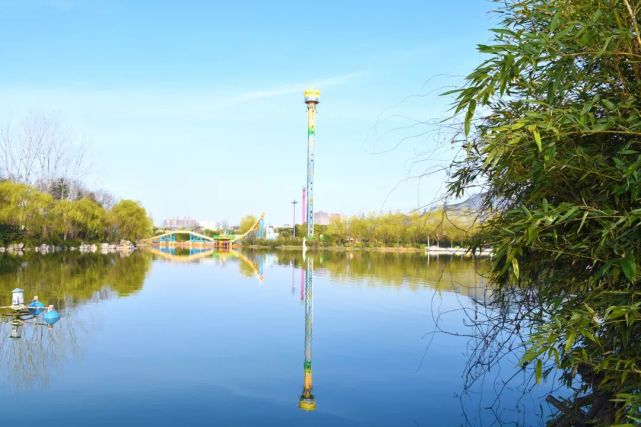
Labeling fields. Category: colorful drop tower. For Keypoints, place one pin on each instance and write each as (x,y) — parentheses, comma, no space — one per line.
(312,98)
(307,400)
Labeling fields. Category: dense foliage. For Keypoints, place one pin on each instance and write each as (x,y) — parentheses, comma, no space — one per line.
(29,214)
(396,229)
(439,227)
(553,134)
(130,220)
(247,223)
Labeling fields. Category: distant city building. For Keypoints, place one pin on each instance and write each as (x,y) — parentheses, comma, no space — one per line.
(210,225)
(271,233)
(176,223)
(323,218)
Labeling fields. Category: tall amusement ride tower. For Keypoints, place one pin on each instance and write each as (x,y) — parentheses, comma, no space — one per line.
(307,400)
(312,98)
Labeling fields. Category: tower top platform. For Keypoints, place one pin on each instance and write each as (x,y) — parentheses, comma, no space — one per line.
(312,95)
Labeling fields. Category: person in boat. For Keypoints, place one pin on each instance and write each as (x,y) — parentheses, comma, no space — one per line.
(35,306)
(51,316)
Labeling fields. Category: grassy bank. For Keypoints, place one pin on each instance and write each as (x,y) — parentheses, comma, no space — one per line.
(338,248)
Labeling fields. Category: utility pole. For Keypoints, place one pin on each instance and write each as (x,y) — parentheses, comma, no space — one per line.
(312,98)
(294,203)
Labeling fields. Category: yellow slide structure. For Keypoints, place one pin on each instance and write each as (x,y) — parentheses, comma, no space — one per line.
(252,228)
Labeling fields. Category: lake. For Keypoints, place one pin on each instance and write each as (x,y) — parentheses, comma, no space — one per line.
(257,339)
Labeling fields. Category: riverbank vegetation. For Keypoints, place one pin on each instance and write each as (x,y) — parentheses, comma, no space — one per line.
(552,131)
(42,198)
(438,227)
(28,215)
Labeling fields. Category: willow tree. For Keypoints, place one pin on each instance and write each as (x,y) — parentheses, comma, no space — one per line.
(552,131)
(247,223)
(129,220)
(25,209)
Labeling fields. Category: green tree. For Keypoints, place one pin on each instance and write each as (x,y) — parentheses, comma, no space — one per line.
(552,130)
(88,217)
(24,207)
(129,220)
(247,223)
(84,219)
(337,230)
(62,221)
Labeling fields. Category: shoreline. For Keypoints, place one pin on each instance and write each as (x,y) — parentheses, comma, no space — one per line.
(432,250)
(104,248)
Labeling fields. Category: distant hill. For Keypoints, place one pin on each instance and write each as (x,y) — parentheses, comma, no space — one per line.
(473,203)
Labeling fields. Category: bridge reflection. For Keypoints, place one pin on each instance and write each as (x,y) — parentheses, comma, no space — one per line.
(184,238)
(192,255)
(307,400)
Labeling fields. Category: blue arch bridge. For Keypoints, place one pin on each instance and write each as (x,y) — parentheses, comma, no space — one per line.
(223,242)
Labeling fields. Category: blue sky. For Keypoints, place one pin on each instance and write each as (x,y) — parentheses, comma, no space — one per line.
(196,108)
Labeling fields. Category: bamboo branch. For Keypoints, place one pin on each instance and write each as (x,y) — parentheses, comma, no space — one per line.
(634,20)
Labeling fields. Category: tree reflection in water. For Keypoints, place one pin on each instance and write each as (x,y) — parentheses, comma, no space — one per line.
(67,280)
(70,281)
(409,270)
(491,342)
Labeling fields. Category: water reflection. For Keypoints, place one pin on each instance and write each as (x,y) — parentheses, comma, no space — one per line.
(307,400)
(35,356)
(248,267)
(414,271)
(237,354)
(68,281)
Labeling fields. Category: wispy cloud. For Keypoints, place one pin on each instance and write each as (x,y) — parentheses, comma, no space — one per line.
(296,87)
(145,103)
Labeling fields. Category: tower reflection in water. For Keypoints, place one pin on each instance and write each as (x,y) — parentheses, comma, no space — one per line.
(307,400)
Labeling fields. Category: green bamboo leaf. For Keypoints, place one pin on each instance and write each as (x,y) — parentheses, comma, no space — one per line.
(515,267)
(468,117)
(555,21)
(537,139)
(569,213)
(570,341)
(538,371)
(605,46)
(629,267)
(585,215)
(450,92)
(502,31)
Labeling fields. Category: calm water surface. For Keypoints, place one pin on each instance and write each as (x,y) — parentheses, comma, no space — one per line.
(246,339)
